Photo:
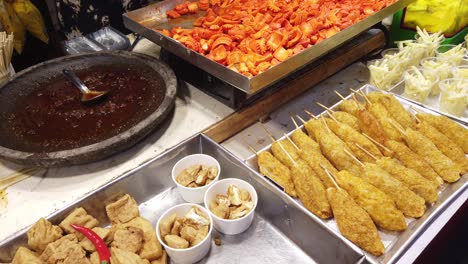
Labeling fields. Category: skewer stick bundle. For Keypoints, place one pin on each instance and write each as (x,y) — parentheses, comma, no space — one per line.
(6,53)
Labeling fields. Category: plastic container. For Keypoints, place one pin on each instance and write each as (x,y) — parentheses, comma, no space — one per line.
(453,96)
(81,45)
(432,69)
(231,226)
(194,195)
(460,72)
(415,89)
(186,255)
(110,39)
(445,53)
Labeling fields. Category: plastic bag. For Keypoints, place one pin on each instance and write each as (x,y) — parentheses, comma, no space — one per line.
(31,19)
(11,23)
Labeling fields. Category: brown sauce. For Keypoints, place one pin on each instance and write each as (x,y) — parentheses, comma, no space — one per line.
(52,118)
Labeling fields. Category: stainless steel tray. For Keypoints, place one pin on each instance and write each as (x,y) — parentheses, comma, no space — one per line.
(432,103)
(281,231)
(145,20)
(396,244)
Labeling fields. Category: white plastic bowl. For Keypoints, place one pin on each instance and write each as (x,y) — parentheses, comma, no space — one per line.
(194,195)
(186,255)
(233,226)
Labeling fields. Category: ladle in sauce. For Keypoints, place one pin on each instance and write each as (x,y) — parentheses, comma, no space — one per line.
(88,95)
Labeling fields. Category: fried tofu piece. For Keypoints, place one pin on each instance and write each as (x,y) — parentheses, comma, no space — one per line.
(43,233)
(94,258)
(166,224)
(120,256)
(129,239)
(122,210)
(221,210)
(176,227)
(176,242)
(26,256)
(64,251)
(161,260)
(151,248)
(107,234)
(188,233)
(80,217)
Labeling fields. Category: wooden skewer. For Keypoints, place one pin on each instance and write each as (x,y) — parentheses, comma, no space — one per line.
(397,127)
(293,120)
(287,154)
(413,115)
(310,114)
(331,116)
(339,95)
(362,94)
(300,118)
(324,107)
(354,157)
(250,147)
(376,142)
(332,177)
(294,144)
(268,132)
(366,151)
(325,124)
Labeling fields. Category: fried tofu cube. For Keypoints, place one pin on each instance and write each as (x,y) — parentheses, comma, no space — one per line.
(26,256)
(200,236)
(176,227)
(202,176)
(151,248)
(166,224)
(188,233)
(107,234)
(43,233)
(64,250)
(94,258)
(122,210)
(161,260)
(129,239)
(176,242)
(220,210)
(213,173)
(80,217)
(234,195)
(120,256)
(245,195)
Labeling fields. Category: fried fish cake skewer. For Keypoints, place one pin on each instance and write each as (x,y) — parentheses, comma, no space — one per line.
(450,128)
(270,166)
(370,125)
(349,106)
(351,137)
(444,144)
(413,161)
(445,167)
(342,117)
(377,204)
(411,178)
(354,222)
(394,108)
(309,188)
(384,150)
(406,200)
(382,115)
(332,146)
(299,136)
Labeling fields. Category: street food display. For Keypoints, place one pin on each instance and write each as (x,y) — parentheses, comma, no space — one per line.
(388,177)
(249,37)
(79,238)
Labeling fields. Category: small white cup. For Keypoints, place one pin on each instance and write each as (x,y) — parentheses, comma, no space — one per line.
(194,195)
(231,226)
(186,255)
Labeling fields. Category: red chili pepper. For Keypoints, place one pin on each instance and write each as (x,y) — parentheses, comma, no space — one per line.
(99,244)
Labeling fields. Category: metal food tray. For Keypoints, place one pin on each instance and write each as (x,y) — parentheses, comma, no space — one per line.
(280,233)
(396,244)
(145,20)
(432,103)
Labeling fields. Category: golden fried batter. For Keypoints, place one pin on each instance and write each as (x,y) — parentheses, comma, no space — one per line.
(411,178)
(446,168)
(348,119)
(281,155)
(354,222)
(371,126)
(377,204)
(406,200)
(310,190)
(414,161)
(306,141)
(451,129)
(270,166)
(385,120)
(351,107)
(394,108)
(444,144)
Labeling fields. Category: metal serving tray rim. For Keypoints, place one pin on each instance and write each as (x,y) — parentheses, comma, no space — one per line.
(272,75)
(417,233)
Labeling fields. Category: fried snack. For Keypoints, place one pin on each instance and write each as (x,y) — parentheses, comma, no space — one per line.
(64,250)
(451,129)
(352,137)
(310,190)
(197,176)
(371,126)
(333,148)
(414,161)
(444,144)
(354,222)
(347,118)
(80,217)
(394,108)
(269,166)
(25,256)
(411,178)
(446,168)
(377,204)
(236,204)
(385,120)
(409,203)
(122,210)
(351,107)
(42,233)
(313,157)
(282,156)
